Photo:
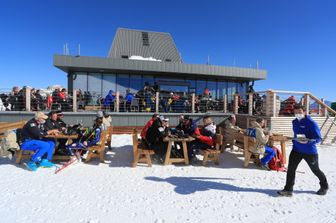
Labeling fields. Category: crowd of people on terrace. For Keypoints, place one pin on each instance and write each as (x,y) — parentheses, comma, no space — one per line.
(144,100)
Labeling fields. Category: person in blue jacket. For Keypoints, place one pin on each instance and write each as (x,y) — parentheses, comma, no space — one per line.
(33,138)
(109,100)
(90,137)
(129,97)
(306,135)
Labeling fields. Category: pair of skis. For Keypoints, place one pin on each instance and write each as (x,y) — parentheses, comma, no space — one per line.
(74,159)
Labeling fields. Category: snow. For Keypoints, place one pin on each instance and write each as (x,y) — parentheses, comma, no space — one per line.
(134,57)
(114,192)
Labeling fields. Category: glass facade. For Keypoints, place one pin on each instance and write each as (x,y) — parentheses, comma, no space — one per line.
(212,86)
(123,83)
(242,89)
(101,83)
(80,81)
(94,83)
(221,89)
(109,83)
(135,83)
(200,85)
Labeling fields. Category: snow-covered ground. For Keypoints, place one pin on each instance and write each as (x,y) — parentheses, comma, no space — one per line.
(114,192)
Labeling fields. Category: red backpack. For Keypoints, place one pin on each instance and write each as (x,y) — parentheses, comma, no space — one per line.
(277,162)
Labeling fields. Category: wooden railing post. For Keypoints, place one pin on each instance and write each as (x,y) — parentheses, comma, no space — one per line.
(28,99)
(250,103)
(235,108)
(319,107)
(306,103)
(225,103)
(274,105)
(324,109)
(117,102)
(193,103)
(74,101)
(157,102)
(269,104)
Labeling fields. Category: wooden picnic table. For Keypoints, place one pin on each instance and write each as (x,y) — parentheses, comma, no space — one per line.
(170,140)
(282,139)
(62,136)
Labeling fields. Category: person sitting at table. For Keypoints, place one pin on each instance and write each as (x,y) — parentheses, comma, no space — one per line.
(146,127)
(90,137)
(60,119)
(230,132)
(52,122)
(188,127)
(106,119)
(256,131)
(205,137)
(154,137)
(33,139)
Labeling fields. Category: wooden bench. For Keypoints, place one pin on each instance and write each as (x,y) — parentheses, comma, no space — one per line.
(98,150)
(109,136)
(213,154)
(140,154)
(6,126)
(249,142)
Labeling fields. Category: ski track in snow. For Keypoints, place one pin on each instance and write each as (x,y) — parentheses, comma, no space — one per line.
(114,192)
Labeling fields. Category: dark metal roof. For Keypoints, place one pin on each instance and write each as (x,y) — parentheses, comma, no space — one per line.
(129,42)
(98,64)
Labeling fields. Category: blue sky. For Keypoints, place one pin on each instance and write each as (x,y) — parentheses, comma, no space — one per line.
(295,41)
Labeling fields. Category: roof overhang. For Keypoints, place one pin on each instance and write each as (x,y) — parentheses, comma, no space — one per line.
(109,65)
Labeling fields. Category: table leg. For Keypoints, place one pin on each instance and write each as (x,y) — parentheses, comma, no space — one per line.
(169,147)
(185,152)
(283,150)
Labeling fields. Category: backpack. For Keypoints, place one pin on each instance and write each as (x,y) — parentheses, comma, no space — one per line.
(277,162)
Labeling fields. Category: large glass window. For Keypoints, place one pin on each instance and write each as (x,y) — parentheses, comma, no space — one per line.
(80,81)
(148,79)
(200,85)
(242,89)
(122,83)
(95,83)
(174,88)
(135,83)
(212,86)
(231,90)
(221,89)
(192,86)
(109,83)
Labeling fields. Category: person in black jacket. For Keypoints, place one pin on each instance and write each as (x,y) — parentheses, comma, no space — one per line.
(60,119)
(53,123)
(154,137)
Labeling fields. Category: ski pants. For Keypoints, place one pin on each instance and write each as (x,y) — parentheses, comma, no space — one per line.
(41,148)
(269,154)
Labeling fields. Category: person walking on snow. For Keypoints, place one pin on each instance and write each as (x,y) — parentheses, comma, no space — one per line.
(304,147)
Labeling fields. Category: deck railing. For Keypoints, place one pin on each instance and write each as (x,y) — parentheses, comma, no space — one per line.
(270,103)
